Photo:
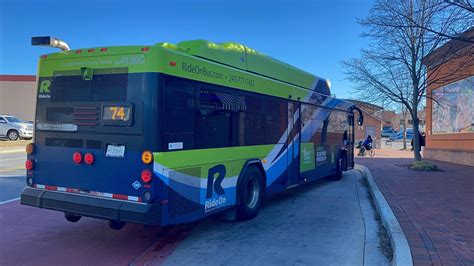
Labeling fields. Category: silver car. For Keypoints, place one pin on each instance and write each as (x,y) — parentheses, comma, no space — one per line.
(14,128)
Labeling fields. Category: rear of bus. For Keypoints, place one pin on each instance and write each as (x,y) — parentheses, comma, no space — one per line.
(90,157)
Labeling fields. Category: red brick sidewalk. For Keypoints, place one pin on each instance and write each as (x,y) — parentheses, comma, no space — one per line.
(435,209)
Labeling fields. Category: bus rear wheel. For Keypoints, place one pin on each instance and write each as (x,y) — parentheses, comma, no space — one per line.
(72,218)
(250,194)
(116,225)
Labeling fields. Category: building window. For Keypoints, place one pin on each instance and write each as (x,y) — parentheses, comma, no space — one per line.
(453,107)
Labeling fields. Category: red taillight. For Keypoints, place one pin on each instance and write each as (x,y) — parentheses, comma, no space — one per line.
(29,164)
(77,157)
(78,51)
(103,49)
(89,158)
(173,63)
(90,50)
(146,176)
(44,56)
(145,49)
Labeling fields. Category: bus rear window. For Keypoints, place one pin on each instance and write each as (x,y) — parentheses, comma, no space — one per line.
(101,88)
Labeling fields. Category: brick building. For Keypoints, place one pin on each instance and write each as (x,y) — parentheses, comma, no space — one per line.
(450,117)
(18,96)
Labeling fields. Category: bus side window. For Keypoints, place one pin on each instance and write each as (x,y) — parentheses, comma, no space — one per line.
(179,113)
(275,120)
(214,116)
(251,120)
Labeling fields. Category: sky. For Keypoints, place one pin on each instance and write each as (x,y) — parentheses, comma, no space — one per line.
(312,35)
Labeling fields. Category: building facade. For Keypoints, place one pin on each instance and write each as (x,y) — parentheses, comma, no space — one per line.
(18,96)
(450,102)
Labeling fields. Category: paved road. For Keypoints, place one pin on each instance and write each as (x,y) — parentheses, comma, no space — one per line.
(12,173)
(327,223)
(320,224)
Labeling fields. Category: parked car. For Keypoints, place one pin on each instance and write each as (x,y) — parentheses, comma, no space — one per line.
(386,133)
(14,128)
(399,135)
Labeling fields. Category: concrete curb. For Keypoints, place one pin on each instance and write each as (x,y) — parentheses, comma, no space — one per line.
(398,240)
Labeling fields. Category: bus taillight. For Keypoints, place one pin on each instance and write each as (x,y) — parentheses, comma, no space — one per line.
(146,176)
(147,157)
(77,157)
(89,158)
(29,165)
(30,148)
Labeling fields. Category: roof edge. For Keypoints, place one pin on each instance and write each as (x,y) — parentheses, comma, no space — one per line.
(30,78)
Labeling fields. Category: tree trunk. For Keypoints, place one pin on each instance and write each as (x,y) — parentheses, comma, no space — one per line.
(404,117)
(416,134)
(404,134)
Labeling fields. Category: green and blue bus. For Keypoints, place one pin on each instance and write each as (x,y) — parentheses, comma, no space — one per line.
(167,134)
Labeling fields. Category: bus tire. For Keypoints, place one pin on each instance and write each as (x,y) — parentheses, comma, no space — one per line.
(72,218)
(251,194)
(116,225)
(338,174)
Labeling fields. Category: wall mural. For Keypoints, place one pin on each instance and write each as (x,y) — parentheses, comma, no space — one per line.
(453,110)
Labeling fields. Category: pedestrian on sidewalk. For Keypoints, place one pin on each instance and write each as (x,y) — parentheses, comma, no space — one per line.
(421,141)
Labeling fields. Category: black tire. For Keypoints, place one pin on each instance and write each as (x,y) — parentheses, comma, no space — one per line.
(116,225)
(72,218)
(13,135)
(338,174)
(250,194)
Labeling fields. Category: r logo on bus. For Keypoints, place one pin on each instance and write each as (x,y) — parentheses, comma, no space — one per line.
(44,89)
(44,86)
(220,171)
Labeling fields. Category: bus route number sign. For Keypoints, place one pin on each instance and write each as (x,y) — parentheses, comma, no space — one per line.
(120,115)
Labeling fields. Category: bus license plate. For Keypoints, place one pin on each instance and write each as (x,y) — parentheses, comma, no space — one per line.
(115,151)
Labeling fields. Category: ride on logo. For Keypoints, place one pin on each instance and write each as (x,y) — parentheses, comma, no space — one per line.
(44,89)
(218,173)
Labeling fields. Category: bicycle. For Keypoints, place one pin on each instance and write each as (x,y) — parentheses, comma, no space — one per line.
(370,151)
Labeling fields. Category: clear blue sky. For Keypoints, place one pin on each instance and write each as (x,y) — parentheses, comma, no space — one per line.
(312,35)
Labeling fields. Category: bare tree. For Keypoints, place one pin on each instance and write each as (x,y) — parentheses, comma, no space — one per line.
(463,4)
(463,19)
(391,68)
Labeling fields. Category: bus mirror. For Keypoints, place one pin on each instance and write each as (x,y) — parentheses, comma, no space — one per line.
(50,42)
(360,120)
(360,117)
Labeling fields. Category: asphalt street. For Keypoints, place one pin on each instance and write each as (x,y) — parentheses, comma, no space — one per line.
(12,173)
(324,223)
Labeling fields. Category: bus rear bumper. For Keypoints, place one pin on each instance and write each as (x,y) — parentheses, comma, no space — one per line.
(91,206)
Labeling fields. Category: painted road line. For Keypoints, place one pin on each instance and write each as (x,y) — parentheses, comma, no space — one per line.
(12,159)
(11,170)
(12,151)
(8,201)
